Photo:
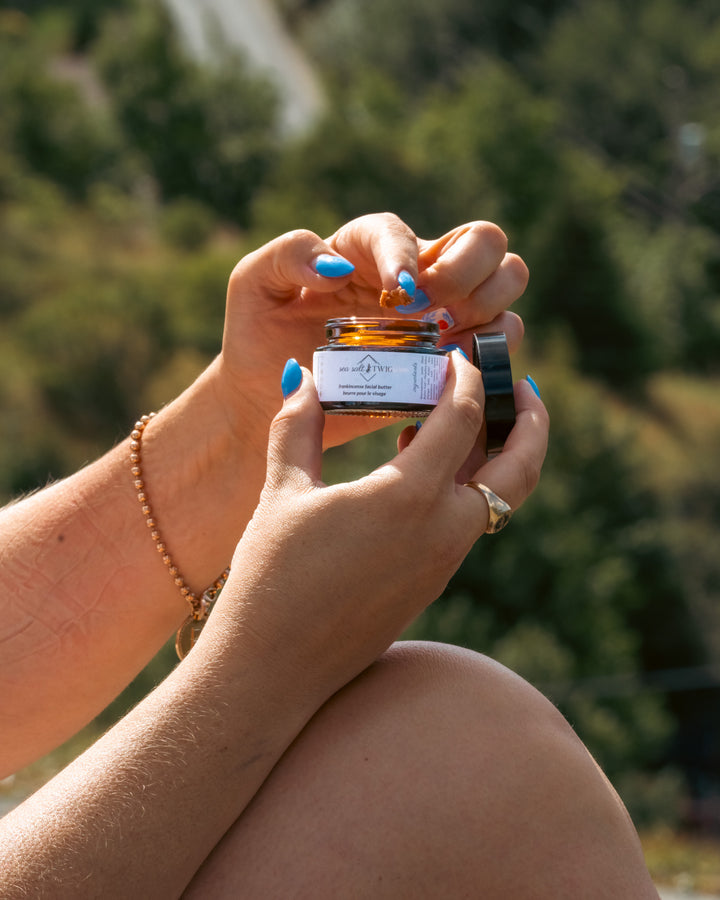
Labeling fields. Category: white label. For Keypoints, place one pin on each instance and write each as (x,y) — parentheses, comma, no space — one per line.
(369,375)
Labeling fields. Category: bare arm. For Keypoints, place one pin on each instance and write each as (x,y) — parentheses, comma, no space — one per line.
(137,814)
(85,601)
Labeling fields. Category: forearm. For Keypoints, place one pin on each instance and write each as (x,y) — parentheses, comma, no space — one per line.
(86,600)
(138,812)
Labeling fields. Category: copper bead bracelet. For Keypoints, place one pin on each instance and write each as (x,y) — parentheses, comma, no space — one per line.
(199,606)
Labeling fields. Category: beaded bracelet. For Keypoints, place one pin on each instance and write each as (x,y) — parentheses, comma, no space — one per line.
(199,606)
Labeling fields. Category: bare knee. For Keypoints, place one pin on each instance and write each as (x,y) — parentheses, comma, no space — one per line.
(437,772)
(523,798)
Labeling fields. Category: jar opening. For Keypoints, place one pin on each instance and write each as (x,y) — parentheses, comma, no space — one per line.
(353,329)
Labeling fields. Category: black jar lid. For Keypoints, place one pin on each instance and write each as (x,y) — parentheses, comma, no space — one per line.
(491,356)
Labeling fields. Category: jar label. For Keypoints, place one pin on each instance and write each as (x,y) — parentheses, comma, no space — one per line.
(370,375)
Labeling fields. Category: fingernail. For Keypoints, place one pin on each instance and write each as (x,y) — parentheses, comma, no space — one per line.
(451,347)
(421,302)
(332,266)
(407,282)
(418,425)
(441,317)
(291,377)
(532,384)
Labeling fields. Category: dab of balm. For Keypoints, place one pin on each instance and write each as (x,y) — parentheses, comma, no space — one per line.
(380,367)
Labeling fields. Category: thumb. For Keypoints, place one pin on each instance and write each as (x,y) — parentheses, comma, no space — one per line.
(295,443)
(299,259)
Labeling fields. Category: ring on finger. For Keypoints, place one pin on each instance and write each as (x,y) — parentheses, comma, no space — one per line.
(499,512)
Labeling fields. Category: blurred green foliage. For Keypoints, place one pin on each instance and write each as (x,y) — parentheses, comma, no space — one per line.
(131,179)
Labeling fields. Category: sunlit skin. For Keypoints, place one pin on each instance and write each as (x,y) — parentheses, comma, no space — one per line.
(204,463)
(469,271)
(234,473)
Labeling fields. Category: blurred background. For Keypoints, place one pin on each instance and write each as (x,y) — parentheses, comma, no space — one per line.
(145,146)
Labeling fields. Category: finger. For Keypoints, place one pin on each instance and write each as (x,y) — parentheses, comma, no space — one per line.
(483,303)
(405,438)
(451,430)
(514,473)
(510,324)
(295,442)
(506,284)
(383,248)
(476,459)
(453,266)
(298,259)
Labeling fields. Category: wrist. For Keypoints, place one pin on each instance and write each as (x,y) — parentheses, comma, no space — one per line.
(202,473)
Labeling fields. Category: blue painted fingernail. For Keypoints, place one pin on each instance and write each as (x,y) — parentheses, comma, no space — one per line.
(421,302)
(332,266)
(291,377)
(533,385)
(418,425)
(451,347)
(407,282)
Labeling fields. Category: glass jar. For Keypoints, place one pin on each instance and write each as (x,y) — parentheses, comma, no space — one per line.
(380,367)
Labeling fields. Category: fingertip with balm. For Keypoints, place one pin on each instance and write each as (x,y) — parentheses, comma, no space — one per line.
(420,302)
(406,282)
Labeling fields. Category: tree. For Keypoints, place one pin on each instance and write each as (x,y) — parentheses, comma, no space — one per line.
(47,125)
(207,133)
(418,43)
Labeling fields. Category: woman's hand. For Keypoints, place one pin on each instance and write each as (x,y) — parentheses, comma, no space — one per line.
(326,578)
(203,467)
(278,300)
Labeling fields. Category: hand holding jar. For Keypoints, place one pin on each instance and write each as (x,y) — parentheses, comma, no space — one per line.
(262,765)
(199,464)
(329,576)
(281,295)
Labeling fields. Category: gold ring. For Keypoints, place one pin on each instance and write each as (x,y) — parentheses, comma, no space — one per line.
(499,511)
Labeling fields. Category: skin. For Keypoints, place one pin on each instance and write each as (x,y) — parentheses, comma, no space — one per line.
(81,587)
(421,489)
(87,602)
(436,773)
(288,631)
(277,315)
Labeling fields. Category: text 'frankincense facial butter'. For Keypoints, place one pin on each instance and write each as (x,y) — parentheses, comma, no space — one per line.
(380,367)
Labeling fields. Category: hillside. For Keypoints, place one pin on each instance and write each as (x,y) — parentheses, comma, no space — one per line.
(132,177)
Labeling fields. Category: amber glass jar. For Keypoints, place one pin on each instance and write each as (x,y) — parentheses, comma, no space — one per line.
(380,367)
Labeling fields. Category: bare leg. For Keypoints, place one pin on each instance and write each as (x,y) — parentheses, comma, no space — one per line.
(437,773)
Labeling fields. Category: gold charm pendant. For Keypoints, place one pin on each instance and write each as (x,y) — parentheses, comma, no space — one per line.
(187,635)
(189,631)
